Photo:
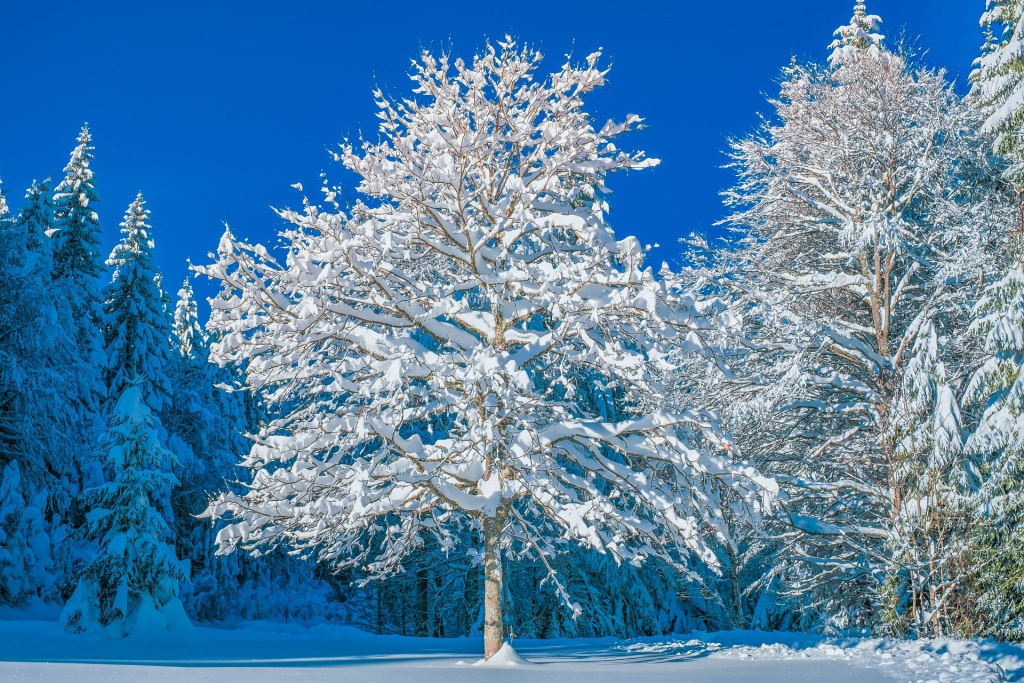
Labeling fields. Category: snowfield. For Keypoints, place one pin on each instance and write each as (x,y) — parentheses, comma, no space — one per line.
(258,651)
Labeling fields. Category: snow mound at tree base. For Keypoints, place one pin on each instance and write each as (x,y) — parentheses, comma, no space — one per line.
(504,657)
(152,621)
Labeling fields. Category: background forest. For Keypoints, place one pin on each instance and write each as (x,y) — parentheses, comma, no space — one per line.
(813,425)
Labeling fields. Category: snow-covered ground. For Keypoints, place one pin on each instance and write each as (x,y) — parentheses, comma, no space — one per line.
(258,652)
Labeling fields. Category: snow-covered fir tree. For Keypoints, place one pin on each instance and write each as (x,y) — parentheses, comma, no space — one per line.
(206,431)
(38,223)
(77,267)
(867,207)
(187,330)
(137,324)
(997,444)
(998,78)
(425,351)
(58,435)
(132,582)
(78,256)
(25,562)
(131,585)
(998,87)
(41,437)
(929,566)
(859,37)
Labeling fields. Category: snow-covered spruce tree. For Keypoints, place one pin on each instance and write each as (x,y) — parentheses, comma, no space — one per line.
(59,389)
(997,445)
(131,586)
(206,428)
(25,561)
(865,209)
(77,267)
(26,382)
(39,428)
(998,78)
(859,37)
(38,223)
(77,255)
(189,333)
(56,433)
(137,325)
(931,530)
(424,353)
(132,583)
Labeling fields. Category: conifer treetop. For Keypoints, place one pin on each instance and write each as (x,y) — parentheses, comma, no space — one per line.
(78,256)
(37,216)
(187,330)
(857,38)
(998,77)
(136,231)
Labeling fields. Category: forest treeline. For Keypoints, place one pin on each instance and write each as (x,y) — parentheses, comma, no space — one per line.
(461,404)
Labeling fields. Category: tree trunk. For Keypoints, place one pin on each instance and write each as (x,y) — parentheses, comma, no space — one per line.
(493,631)
(422,616)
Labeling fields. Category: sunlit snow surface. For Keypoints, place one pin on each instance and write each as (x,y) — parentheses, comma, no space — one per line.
(260,652)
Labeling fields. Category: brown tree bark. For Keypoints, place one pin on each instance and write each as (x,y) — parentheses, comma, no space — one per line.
(493,630)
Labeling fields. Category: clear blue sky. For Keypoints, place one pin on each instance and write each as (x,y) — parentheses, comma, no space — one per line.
(214,108)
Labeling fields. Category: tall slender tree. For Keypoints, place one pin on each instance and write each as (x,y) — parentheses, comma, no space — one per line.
(40,434)
(189,333)
(997,444)
(998,86)
(137,324)
(866,206)
(132,583)
(77,267)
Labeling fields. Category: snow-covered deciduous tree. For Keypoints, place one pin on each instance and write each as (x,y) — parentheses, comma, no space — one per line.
(131,585)
(425,354)
(866,207)
(138,328)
